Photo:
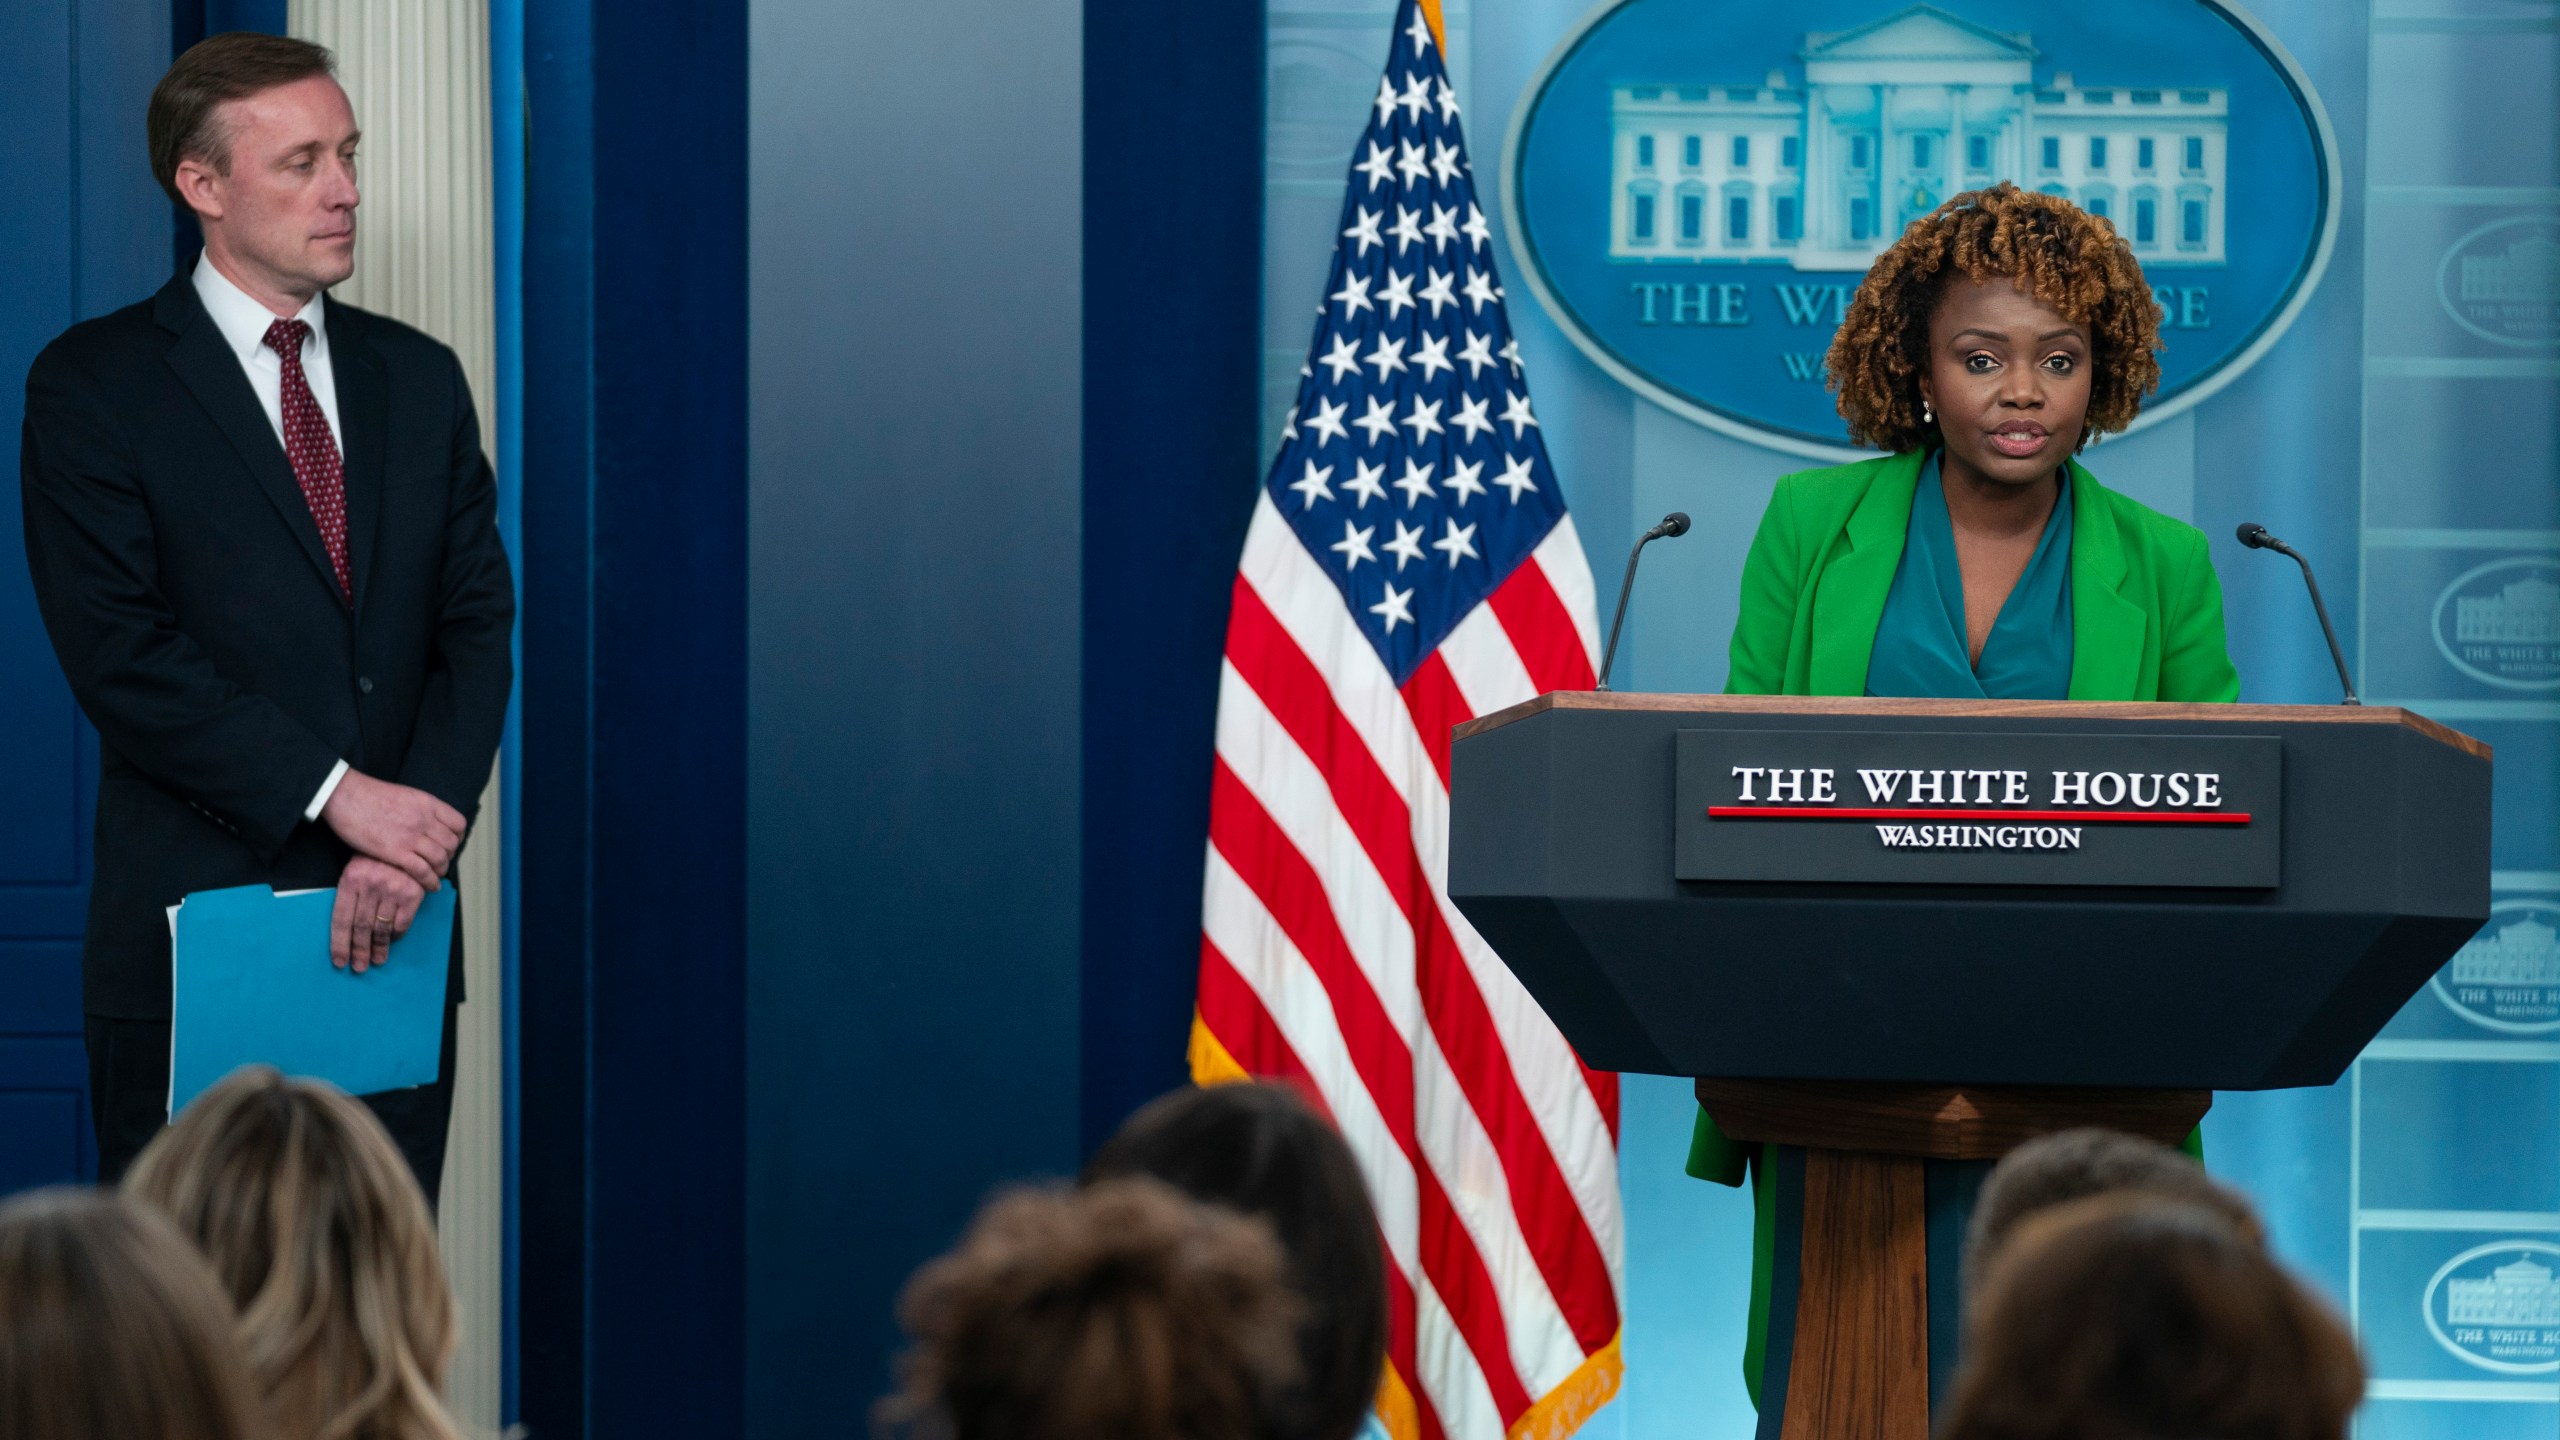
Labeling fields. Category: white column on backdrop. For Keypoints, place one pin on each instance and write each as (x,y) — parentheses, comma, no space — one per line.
(417,72)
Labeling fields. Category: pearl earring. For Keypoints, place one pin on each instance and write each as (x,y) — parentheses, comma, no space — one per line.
(1927,417)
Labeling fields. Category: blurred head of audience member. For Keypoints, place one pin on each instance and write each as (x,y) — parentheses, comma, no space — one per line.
(111,1327)
(315,1226)
(2076,1164)
(1261,1150)
(1122,1311)
(2130,1317)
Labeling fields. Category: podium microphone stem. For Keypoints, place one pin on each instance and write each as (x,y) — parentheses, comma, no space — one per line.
(1674,524)
(2256,538)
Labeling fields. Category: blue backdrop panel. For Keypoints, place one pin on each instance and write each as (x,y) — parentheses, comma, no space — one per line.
(86,231)
(1172,251)
(915,311)
(631,906)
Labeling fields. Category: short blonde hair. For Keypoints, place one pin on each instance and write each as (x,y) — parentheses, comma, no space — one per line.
(111,1327)
(314,1225)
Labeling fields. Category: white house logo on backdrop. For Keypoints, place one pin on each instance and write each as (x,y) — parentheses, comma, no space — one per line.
(2501,282)
(1882,123)
(1696,186)
(2499,623)
(2508,978)
(2498,1307)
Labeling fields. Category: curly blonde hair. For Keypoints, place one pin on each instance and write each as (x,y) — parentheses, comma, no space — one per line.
(2057,252)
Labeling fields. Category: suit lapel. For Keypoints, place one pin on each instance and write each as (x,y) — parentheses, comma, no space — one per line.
(363,416)
(209,368)
(2106,628)
(1848,600)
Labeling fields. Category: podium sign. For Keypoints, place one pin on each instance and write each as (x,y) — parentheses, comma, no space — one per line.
(1979,807)
(1599,844)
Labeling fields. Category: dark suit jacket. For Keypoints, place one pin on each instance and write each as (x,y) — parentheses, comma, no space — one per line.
(192,605)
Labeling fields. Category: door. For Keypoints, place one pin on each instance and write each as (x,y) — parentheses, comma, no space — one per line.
(84,230)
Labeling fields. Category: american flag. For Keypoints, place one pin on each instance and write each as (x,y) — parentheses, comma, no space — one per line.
(1409,566)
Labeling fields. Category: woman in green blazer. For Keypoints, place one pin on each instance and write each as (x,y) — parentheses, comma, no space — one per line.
(1977,558)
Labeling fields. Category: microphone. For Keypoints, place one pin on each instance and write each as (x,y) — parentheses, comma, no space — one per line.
(1673,525)
(2255,536)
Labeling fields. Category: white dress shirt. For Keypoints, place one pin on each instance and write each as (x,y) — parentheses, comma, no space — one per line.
(243,323)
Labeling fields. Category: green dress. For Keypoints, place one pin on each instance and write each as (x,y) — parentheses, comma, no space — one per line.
(1854,574)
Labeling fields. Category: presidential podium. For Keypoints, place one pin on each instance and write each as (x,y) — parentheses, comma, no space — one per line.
(1892,931)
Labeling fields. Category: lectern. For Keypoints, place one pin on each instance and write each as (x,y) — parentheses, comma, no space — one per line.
(1891,931)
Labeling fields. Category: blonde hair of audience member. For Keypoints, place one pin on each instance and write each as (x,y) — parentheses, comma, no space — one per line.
(2078,1163)
(315,1226)
(2130,1317)
(111,1327)
(1122,1311)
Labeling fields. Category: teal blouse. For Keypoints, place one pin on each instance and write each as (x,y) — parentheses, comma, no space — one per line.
(1921,651)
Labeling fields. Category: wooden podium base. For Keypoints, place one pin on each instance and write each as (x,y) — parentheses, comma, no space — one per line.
(1860,1360)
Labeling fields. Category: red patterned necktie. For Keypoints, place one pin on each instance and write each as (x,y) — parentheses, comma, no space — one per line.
(312,449)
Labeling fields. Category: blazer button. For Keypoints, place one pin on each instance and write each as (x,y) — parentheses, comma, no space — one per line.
(365,683)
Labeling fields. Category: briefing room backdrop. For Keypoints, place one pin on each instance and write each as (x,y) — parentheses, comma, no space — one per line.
(2400,432)
(880,392)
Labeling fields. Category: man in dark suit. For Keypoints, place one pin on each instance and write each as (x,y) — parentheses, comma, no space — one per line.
(263,537)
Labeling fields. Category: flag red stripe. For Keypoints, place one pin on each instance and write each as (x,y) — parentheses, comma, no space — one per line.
(1288,888)
(1261,855)
(1550,1218)
(1467,1291)
(1438,706)
(1541,630)
(1235,1015)
(1542,633)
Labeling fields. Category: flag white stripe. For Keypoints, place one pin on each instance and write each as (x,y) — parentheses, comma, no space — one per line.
(1449,1373)
(1308,607)
(1568,572)
(1485,665)
(1543,1349)
(1294,794)
(1453,1142)
(1253,942)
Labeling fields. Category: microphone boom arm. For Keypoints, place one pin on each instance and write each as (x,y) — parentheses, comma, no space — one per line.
(1674,524)
(2256,538)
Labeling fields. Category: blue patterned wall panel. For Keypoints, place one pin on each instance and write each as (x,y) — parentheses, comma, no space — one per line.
(87,230)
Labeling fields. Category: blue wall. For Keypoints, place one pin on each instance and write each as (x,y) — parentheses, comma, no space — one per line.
(85,231)
(913,657)
(631,901)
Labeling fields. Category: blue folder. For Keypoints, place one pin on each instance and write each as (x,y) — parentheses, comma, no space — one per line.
(253,985)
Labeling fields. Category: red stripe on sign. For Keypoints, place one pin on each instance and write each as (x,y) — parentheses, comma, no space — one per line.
(2093,817)
(1294,691)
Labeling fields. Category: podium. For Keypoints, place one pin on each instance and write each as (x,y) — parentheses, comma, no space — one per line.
(1895,931)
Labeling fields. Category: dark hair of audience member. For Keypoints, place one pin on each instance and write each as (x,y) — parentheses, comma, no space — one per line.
(111,1327)
(1262,1150)
(1123,1311)
(314,1224)
(2076,1164)
(2130,1317)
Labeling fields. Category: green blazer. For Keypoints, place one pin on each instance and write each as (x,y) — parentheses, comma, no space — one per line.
(2146,607)
(2146,624)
